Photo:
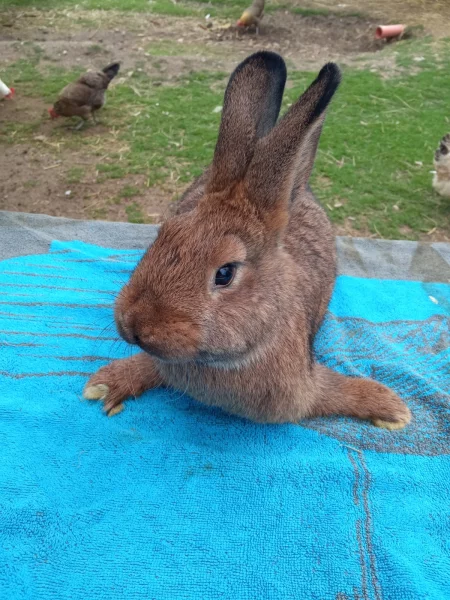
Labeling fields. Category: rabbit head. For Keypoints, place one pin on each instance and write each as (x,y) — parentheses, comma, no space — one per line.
(217,283)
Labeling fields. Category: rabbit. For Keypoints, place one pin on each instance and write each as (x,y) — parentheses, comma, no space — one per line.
(227,301)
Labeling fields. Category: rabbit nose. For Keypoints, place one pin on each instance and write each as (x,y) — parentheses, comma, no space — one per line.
(120,328)
(136,339)
(125,327)
(148,345)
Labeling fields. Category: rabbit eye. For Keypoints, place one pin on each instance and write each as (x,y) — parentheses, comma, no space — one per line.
(225,275)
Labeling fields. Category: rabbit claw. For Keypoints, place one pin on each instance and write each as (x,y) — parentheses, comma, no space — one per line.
(96,392)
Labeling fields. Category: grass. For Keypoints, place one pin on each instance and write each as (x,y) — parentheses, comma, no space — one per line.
(169,48)
(34,82)
(180,8)
(134,213)
(165,7)
(174,129)
(94,49)
(129,191)
(183,8)
(75,175)
(377,151)
(373,163)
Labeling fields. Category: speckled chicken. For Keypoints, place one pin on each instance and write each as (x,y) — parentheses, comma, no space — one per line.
(85,96)
(441,179)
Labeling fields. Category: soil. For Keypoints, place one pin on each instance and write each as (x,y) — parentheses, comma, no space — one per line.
(306,41)
(37,183)
(433,15)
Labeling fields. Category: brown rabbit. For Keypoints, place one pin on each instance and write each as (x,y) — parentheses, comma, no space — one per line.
(227,301)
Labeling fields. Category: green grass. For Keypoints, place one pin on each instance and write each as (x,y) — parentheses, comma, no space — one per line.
(75,174)
(94,49)
(174,129)
(112,170)
(376,135)
(30,184)
(134,213)
(122,5)
(171,48)
(374,157)
(34,82)
(129,191)
(180,8)
(163,7)
(298,10)
(377,151)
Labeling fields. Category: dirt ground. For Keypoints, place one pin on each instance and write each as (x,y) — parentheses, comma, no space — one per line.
(305,41)
(434,15)
(36,178)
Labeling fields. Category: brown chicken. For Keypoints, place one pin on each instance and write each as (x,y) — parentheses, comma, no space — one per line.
(252,15)
(85,96)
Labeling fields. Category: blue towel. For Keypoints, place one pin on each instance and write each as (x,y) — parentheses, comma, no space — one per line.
(172,500)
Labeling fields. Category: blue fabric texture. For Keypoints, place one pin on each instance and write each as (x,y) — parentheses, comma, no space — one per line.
(172,500)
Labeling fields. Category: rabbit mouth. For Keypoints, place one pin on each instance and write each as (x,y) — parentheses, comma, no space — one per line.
(225,360)
(204,358)
(163,355)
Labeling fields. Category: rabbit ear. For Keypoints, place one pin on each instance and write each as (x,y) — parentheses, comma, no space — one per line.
(251,107)
(284,159)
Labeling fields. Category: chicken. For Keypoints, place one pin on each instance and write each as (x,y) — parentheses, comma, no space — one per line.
(252,15)
(441,179)
(85,96)
(5,91)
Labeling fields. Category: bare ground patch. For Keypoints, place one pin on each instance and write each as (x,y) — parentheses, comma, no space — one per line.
(42,178)
(433,15)
(170,47)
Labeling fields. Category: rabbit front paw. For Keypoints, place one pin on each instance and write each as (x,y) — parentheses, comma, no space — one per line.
(122,379)
(401,422)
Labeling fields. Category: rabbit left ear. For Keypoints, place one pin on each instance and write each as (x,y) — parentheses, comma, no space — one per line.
(251,106)
(283,160)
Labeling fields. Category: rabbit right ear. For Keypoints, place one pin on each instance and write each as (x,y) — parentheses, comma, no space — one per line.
(283,159)
(251,107)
